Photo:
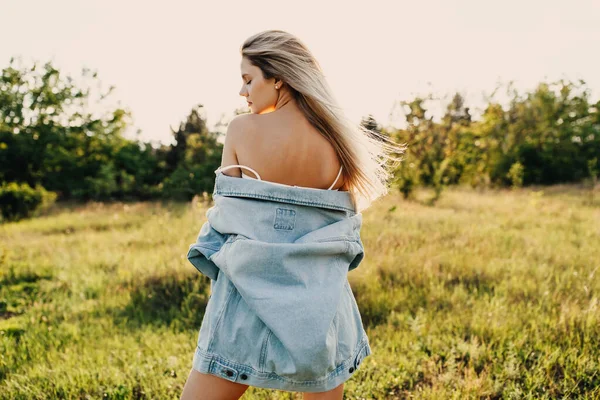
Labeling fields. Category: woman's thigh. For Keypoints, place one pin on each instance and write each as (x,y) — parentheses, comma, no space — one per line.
(333,394)
(201,386)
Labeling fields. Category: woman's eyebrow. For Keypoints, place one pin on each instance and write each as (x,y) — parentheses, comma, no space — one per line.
(245,75)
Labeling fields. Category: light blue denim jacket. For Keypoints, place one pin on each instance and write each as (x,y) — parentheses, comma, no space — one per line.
(283,314)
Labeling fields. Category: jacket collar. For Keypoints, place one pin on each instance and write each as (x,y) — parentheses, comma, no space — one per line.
(226,185)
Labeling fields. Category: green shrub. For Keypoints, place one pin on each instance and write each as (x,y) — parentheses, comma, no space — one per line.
(19,200)
(406,179)
(515,174)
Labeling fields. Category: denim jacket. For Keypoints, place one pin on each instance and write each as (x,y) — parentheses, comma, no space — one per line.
(286,251)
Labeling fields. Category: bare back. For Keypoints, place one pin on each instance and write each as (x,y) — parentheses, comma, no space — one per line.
(283,147)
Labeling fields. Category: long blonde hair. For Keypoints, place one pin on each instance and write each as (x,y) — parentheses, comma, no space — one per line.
(364,154)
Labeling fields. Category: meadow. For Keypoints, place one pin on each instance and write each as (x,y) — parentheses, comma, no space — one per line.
(490,294)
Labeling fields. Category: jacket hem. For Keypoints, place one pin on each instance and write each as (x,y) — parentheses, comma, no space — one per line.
(211,363)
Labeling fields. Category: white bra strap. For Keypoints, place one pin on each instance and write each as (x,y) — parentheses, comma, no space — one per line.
(240,166)
(336,178)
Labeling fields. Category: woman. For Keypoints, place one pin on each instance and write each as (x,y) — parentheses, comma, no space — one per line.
(304,158)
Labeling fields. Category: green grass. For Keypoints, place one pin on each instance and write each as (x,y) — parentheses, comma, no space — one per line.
(491,294)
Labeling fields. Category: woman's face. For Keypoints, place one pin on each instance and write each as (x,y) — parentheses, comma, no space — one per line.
(260,93)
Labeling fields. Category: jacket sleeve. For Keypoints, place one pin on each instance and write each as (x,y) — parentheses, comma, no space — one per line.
(208,243)
(356,253)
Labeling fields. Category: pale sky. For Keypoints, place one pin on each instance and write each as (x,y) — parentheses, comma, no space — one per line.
(165,57)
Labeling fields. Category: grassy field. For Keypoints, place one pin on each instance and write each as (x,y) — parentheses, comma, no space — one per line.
(491,294)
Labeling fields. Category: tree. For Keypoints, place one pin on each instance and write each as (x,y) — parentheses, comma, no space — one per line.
(194,158)
(195,124)
(49,136)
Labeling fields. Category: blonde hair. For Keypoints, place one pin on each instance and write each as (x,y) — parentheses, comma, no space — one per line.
(364,154)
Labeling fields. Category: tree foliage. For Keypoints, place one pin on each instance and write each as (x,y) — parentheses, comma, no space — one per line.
(50,140)
(550,135)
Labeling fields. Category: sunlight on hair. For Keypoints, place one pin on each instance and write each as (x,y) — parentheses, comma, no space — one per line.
(364,153)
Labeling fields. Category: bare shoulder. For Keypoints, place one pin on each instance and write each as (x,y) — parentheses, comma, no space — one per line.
(237,133)
(241,122)
(242,126)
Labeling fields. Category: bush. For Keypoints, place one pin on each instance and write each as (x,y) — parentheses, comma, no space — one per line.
(515,174)
(406,178)
(19,200)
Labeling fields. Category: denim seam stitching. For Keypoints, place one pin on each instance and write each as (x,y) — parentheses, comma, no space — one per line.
(284,199)
(219,318)
(263,352)
(337,314)
(204,246)
(346,239)
(337,239)
(342,367)
(336,324)
(349,289)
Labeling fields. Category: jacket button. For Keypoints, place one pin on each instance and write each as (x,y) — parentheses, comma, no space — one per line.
(229,372)
(351,369)
(244,376)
